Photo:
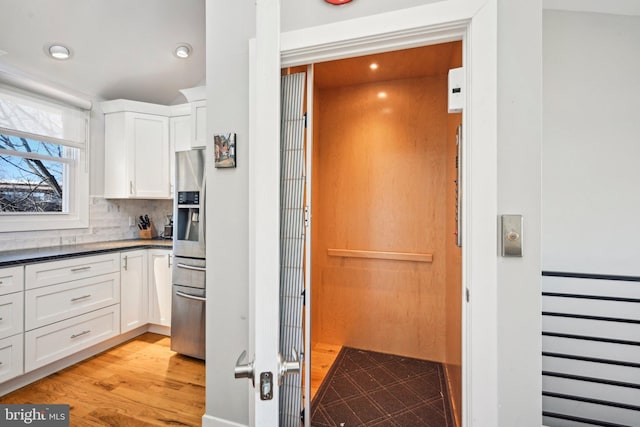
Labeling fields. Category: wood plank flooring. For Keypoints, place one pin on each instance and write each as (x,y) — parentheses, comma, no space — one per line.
(138,383)
(322,357)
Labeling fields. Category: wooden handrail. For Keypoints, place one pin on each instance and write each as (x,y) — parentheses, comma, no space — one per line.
(396,256)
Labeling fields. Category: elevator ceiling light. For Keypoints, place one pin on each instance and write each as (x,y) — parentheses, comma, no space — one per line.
(183,51)
(59,51)
(382,95)
(373,66)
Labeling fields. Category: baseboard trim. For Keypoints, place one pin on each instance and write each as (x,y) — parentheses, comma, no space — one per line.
(211,421)
(452,400)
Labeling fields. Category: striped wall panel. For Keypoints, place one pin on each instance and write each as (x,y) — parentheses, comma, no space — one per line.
(292,230)
(590,350)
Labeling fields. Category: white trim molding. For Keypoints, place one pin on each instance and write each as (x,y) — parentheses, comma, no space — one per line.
(614,7)
(474,22)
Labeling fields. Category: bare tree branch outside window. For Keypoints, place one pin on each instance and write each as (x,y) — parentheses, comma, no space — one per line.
(30,183)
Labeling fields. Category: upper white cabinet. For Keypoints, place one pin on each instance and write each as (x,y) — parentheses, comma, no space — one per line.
(199,124)
(197,97)
(136,153)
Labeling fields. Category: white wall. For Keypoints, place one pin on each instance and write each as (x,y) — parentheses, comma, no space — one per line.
(591,198)
(229,26)
(519,140)
(296,14)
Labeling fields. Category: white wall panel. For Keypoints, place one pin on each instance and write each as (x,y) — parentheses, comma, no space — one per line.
(591,390)
(591,328)
(588,307)
(599,287)
(591,369)
(600,350)
(587,410)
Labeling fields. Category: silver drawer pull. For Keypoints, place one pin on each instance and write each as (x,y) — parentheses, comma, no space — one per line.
(187,296)
(80,298)
(75,270)
(191,267)
(80,334)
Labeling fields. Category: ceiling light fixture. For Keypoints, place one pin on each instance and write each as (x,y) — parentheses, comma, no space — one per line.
(183,51)
(373,66)
(59,51)
(337,2)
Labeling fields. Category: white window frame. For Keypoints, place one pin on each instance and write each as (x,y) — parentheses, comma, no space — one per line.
(76,184)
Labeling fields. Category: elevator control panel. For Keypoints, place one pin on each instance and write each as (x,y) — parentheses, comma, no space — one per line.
(511,232)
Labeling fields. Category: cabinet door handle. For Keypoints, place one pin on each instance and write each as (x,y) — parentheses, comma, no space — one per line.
(80,334)
(169,260)
(78,269)
(191,267)
(187,296)
(125,262)
(131,187)
(80,298)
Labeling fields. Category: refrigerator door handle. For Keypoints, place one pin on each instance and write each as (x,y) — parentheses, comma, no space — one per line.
(193,297)
(190,267)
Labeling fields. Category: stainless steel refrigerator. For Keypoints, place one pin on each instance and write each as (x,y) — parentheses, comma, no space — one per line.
(189,267)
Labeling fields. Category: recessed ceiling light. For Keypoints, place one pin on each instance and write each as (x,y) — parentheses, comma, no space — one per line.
(373,66)
(183,51)
(59,51)
(382,95)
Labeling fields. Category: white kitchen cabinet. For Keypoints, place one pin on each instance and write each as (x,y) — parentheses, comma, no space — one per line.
(11,357)
(75,268)
(57,340)
(199,124)
(160,286)
(11,314)
(180,132)
(11,279)
(134,290)
(137,156)
(53,303)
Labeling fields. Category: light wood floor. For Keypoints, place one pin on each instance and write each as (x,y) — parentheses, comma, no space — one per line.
(322,357)
(138,383)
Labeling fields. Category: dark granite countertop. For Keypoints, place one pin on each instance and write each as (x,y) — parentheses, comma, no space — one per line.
(26,256)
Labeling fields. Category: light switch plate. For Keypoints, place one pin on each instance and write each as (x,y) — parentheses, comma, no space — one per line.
(512,235)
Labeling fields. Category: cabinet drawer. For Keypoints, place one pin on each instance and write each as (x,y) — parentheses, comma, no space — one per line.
(50,273)
(50,343)
(11,280)
(59,302)
(11,309)
(11,357)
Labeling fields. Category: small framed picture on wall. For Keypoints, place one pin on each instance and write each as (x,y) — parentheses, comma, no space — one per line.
(225,146)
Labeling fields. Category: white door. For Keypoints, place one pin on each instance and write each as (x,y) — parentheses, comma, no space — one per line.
(473,21)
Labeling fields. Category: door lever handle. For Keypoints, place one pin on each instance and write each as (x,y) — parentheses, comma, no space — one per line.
(287,367)
(244,370)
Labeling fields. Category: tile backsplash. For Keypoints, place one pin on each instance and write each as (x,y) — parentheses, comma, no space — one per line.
(108,220)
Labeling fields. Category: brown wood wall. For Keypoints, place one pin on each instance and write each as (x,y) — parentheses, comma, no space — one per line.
(381,183)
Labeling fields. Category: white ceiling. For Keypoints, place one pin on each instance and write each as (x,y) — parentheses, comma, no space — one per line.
(120,48)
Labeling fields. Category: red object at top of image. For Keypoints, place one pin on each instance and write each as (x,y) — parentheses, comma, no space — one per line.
(337,2)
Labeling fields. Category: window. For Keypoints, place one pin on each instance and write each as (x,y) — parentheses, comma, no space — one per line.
(43,169)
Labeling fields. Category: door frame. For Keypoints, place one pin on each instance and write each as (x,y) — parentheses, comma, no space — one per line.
(472,21)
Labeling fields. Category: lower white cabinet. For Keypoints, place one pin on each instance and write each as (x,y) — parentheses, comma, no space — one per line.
(58,302)
(11,357)
(57,340)
(160,286)
(11,279)
(11,309)
(134,290)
